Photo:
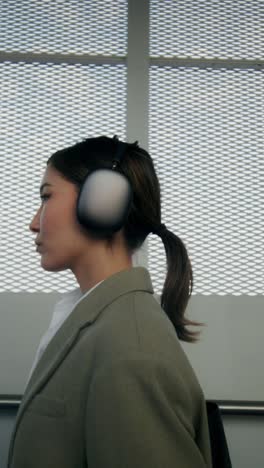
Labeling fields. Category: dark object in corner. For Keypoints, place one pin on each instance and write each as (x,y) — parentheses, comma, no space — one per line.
(219,448)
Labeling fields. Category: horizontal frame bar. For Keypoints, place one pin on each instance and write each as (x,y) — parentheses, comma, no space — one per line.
(71,59)
(86,59)
(216,63)
(240,407)
(227,407)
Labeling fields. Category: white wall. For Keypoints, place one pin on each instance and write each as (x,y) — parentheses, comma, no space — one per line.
(228,359)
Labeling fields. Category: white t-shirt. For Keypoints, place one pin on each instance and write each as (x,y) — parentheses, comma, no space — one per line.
(62,310)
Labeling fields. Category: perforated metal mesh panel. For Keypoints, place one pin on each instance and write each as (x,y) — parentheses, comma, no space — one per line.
(45,108)
(206,135)
(64,26)
(207,28)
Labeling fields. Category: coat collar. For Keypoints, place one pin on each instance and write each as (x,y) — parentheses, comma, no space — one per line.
(85,313)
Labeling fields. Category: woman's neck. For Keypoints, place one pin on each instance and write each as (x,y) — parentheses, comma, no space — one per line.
(100,262)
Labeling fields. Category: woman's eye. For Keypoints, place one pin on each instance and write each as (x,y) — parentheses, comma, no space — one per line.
(44,197)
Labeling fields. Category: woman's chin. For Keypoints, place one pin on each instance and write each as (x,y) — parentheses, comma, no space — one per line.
(51,265)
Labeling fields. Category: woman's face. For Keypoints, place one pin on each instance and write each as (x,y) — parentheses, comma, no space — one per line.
(58,233)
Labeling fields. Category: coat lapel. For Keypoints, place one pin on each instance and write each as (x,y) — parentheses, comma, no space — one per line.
(85,313)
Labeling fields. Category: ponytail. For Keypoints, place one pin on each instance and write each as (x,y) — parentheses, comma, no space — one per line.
(178,284)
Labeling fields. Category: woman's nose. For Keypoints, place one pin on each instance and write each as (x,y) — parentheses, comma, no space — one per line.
(34,225)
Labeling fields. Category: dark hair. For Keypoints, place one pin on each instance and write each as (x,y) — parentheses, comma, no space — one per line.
(75,162)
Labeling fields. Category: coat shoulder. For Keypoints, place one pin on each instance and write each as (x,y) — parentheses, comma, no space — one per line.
(135,326)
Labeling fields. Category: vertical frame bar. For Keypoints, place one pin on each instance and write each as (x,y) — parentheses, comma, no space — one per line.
(138,71)
(138,87)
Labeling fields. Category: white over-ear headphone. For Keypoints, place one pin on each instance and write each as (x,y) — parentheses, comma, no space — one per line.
(105,196)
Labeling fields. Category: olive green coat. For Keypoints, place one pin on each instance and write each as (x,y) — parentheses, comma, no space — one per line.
(113,389)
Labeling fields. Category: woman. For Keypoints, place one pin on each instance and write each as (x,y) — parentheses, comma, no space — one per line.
(110,386)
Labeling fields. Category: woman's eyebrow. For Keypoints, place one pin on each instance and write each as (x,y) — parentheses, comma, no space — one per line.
(46,184)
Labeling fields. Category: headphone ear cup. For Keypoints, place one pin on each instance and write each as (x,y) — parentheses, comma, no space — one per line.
(104,201)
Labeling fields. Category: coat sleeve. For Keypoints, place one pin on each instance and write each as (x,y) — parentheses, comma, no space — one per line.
(138,416)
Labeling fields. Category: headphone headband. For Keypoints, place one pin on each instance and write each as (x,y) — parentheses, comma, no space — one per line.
(121,148)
